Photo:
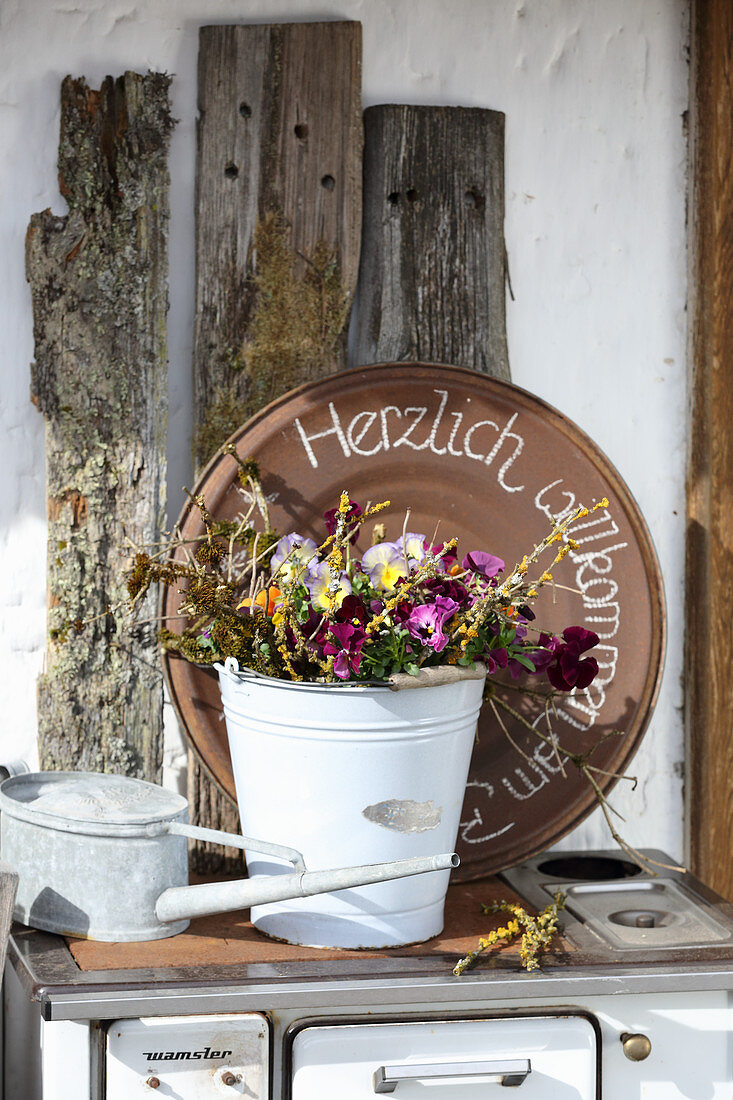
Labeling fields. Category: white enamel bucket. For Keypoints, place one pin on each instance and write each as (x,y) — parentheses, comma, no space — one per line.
(350,774)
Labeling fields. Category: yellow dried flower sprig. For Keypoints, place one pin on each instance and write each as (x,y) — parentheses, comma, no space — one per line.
(517,587)
(356,521)
(536,937)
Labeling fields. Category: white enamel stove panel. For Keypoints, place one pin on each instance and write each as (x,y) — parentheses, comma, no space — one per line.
(189,1058)
(546,1056)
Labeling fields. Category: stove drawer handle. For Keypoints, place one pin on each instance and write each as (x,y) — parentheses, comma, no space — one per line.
(508,1073)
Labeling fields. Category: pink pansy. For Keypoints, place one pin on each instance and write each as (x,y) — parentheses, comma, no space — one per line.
(427,620)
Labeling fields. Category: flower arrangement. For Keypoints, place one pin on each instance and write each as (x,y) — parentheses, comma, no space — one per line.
(292,609)
(288,607)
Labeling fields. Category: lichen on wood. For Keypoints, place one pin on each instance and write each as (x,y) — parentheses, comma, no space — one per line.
(294,334)
(297,323)
(98,279)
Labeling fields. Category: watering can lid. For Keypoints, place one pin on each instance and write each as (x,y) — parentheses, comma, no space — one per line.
(72,800)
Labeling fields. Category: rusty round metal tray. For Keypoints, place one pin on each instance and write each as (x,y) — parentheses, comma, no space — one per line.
(488,461)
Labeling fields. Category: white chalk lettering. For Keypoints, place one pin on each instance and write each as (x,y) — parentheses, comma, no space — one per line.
(594,520)
(546,756)
(531,788)
(353,427)
(507,434)
(436,423)
(336,430)
(559,511)
(577,712)
(589,557)
(383,414)
(611,621)
(484,792)
(405,437)
(607,658)
(458,417)
(369,431)
(604,626)
(469,435)
(599,591)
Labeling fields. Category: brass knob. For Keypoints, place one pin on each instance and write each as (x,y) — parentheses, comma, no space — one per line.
(153,1083)
(228,1078)
(636,1047)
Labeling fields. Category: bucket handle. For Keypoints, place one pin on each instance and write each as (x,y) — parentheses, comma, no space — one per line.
(239,675)
(231,667)
(232,840)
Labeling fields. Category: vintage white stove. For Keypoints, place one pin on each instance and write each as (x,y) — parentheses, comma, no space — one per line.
(635,1003)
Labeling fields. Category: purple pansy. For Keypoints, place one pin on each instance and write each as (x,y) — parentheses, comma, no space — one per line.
(352,611)
(483,564)
(544,654)
(344,642)
(495,659)
(446,586)
(567,670)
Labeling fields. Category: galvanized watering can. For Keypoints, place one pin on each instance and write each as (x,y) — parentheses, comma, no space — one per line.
(105,857)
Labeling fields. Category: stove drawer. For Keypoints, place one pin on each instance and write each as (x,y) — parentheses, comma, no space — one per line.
(545,1056)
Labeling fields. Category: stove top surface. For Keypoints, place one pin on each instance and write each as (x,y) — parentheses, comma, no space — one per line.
(617,910)
(623,930)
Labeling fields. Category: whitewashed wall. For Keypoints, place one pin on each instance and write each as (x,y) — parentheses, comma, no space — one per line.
(594,93)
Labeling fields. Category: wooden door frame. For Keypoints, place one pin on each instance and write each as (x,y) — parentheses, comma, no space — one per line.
(709,537)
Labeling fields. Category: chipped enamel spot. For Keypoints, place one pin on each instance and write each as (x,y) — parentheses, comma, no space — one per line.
(404,815)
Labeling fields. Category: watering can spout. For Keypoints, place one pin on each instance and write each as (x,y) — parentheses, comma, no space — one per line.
(186,902)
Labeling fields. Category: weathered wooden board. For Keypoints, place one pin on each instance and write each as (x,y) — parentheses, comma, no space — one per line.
(433,261)
(279,138)
(708,635)
(98,278)
(278,226)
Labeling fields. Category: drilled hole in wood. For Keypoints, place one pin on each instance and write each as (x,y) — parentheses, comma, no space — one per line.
(328,182)
(393,198)
(245,110)
(412,195)
(301,131)
(231,171)
(475,199)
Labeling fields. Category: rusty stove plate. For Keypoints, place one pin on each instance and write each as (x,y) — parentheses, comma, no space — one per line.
(490,462)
